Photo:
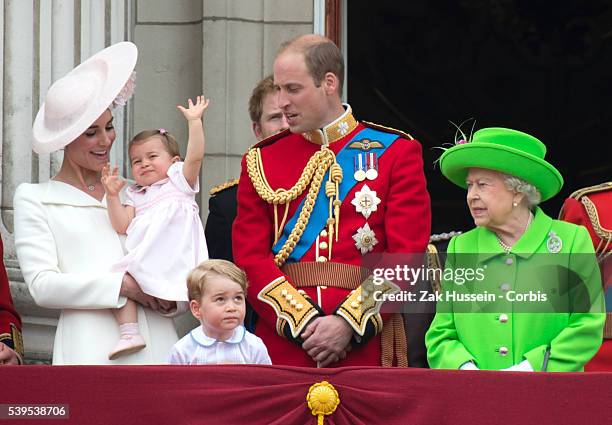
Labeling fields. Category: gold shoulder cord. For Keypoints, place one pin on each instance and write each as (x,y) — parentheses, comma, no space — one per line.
(312,175)
(586,190)
(604,234)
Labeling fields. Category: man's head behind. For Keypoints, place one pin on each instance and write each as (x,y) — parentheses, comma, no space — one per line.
(266,117)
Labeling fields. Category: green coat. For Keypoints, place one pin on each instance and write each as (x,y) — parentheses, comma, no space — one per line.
(503,333)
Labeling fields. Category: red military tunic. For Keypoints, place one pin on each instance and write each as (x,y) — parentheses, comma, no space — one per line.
(10,323)
(401,224)
(592,208)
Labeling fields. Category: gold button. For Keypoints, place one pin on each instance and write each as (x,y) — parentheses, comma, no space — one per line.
(284,292)
(359,299)
(293,303)
(323,233)
(323,245)
(322,259)
(354,304)
(289,297)
(299,306)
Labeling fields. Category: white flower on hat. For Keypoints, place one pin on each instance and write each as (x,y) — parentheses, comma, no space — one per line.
(126,92)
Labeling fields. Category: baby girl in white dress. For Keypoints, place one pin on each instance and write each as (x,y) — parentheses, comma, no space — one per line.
(165,237)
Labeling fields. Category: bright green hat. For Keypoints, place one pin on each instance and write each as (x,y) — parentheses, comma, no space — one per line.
(502,149)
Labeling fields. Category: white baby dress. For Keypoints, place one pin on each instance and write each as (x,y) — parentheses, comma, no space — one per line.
(165,240)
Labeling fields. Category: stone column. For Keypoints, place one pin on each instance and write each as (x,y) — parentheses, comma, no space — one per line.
(240,40)
(186,47)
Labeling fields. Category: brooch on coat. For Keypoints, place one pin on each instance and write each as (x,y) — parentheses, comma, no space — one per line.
(554,243)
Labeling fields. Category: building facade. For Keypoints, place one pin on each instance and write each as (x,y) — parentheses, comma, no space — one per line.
(221,48)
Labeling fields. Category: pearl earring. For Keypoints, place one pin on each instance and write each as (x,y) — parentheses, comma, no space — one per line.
(514,204)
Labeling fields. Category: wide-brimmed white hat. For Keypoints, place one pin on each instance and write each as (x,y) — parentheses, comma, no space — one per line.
(76,100)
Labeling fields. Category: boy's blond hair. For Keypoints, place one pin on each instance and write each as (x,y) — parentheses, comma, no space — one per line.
(196,281)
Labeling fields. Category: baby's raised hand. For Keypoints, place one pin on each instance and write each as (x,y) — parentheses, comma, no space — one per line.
(194,111)
(111,181)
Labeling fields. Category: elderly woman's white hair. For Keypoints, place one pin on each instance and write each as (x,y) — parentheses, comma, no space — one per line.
(532,195)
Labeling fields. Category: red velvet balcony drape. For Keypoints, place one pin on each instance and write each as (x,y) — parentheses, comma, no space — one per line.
(277,395)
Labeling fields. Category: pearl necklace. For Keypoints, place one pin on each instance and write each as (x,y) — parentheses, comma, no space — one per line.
(504,245)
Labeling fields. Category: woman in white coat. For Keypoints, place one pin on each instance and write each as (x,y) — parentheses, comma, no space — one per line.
(63,237)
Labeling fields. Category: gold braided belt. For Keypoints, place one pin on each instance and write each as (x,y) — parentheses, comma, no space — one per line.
(350,277)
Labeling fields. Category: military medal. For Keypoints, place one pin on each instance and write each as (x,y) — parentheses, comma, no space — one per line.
(365,239)
(366,201)
(554,243)
(372,166)
(360,173)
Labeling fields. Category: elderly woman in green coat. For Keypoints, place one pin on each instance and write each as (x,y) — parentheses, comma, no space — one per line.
(533,300)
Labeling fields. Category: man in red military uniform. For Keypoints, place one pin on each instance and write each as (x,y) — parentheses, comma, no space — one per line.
(312,201)
(592,208)
(11,345)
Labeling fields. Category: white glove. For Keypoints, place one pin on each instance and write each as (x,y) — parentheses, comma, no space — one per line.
(468,366)
(523,366)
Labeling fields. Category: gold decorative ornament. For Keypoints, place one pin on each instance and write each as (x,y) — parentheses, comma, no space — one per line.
(322,400)
(289,305)
(366,145)
(221,187)
(312,176)
(357,309)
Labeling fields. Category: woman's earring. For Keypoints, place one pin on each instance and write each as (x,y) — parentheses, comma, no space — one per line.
(514,204)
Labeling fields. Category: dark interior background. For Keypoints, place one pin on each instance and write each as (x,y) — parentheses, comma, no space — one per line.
(543,67)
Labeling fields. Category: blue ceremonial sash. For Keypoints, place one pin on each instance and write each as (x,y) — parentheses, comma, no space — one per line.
(320,211)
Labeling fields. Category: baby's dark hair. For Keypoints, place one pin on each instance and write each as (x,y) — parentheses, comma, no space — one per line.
(166,138)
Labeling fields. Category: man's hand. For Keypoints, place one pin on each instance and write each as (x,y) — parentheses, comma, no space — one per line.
(327,339)
(7,355)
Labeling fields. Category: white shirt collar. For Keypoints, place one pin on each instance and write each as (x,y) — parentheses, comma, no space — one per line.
(201,338)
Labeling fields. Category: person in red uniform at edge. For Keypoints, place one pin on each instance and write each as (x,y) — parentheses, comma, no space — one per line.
(11,343)
(312,201)
(592,208)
